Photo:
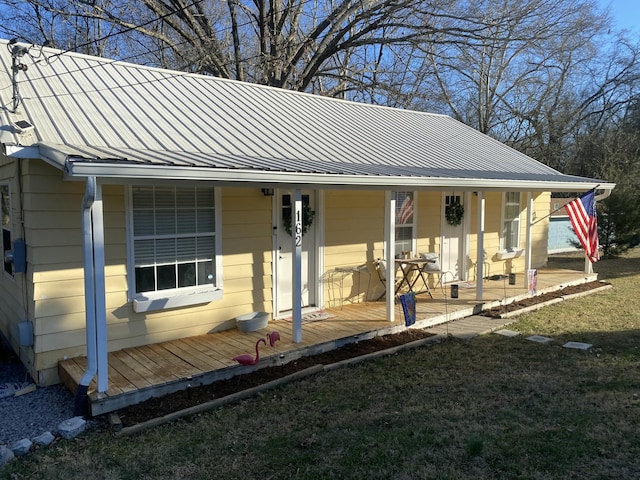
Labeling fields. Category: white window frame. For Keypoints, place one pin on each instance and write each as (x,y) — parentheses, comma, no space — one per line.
(180,296)
(413,224)
(7,248)
(504,247)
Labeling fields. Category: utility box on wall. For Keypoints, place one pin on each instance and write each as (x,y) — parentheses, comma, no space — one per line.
(20,256)
(25,333)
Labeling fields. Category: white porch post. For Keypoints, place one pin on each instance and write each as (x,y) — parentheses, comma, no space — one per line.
(480,247)
(296,274)
(389,254)
(527,257)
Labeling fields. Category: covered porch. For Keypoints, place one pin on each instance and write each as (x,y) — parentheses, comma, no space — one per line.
(139,373)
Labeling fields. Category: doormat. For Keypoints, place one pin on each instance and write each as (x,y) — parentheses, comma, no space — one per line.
(313,317)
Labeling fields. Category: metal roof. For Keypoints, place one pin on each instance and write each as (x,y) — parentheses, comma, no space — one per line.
(97,117)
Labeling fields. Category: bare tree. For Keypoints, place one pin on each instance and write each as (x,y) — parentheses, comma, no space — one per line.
(341,48)
(525,49)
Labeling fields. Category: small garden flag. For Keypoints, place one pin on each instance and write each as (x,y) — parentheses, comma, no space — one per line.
(582,213)
(408,301)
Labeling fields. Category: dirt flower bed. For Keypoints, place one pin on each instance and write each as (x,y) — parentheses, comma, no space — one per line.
(160,406)
(528,302)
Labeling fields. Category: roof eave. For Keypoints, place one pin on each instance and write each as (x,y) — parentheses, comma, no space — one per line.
(114,171)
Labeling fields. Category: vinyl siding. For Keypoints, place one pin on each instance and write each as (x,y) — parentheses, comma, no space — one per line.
(14,290)
(56,259)
(354,235)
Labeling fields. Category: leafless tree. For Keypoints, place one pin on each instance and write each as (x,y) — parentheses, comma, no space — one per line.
(338,48)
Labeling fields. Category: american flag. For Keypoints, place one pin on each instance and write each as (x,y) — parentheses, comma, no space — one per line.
(405,215)
(582,213)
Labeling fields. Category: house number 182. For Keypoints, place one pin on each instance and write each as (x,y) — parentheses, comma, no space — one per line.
(298,228)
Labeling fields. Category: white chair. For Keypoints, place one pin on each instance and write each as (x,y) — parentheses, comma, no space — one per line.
(433,267)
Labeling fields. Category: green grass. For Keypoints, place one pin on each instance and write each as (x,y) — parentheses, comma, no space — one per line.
(493,407)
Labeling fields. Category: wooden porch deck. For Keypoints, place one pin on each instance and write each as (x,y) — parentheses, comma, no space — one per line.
(139,373)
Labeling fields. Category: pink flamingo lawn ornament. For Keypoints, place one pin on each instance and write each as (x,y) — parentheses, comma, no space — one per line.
(246,358)
(273,337)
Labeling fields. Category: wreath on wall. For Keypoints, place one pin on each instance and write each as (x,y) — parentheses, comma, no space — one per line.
(454,213)
(307,218)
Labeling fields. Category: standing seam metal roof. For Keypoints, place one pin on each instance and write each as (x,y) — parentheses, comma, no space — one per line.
(91,114)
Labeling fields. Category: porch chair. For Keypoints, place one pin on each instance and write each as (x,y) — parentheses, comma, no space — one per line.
(433,267)
(380,265)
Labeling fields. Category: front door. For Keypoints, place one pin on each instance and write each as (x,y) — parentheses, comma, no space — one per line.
(285,252)
(452,235)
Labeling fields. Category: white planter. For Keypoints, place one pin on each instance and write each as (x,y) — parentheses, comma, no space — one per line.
(250,322)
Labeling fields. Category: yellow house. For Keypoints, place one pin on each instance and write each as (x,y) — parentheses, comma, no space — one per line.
(141,205)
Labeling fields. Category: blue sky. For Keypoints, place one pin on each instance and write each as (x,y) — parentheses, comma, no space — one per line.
(626,13)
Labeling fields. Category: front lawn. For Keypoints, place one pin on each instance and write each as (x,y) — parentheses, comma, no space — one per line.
(493,407)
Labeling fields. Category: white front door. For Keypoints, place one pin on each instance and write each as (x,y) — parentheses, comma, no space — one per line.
(452,243)
(285,256)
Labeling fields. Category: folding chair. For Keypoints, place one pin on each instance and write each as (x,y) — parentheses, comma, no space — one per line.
(381,267)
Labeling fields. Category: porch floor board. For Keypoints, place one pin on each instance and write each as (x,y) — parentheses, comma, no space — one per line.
(139,373)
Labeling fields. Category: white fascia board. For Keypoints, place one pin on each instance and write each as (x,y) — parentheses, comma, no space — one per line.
(154,172)
(18,151)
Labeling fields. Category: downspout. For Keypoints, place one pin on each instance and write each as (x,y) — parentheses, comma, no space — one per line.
(89,298)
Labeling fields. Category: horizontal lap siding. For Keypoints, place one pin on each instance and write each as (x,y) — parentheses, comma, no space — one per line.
(53,219)
(429,222)
(540,230)
(354,230)
(493,219)
(12,288)
(354,235)
(56,258)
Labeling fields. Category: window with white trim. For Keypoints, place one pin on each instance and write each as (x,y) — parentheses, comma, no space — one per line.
(173,238)
(5,205)
(405,223)
(510,237)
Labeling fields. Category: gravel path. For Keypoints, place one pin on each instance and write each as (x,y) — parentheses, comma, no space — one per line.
(34,413)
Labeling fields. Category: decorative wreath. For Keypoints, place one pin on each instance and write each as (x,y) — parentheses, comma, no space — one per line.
(454,213)
(307,218)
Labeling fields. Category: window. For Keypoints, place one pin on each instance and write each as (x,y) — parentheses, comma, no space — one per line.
(510,238)
(405,223)
(173,238)
(5,198)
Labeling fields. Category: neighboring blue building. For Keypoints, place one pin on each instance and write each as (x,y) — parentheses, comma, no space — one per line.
(561,234)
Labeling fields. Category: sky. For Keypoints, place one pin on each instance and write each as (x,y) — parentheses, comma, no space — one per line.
(626,13)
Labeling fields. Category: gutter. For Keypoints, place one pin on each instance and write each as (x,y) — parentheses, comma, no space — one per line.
(77,168)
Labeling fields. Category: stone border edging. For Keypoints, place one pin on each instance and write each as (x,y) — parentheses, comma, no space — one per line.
(234,397)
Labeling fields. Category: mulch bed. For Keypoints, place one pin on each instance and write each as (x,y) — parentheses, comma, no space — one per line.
(528,302)
(157,407)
